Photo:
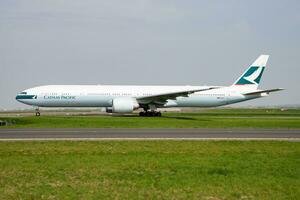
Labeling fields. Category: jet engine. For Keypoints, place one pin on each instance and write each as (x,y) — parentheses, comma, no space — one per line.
(123,105)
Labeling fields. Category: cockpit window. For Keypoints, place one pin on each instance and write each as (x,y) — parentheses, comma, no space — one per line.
(23,93)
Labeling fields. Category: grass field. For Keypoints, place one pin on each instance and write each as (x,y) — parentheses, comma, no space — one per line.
(150,170)
(212,118)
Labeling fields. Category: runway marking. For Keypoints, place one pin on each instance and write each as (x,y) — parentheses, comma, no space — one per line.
(148,134)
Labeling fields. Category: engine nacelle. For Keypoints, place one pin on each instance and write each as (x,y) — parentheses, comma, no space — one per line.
(124,105)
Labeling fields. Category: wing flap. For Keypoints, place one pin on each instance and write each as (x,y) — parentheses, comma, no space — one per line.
(264,91)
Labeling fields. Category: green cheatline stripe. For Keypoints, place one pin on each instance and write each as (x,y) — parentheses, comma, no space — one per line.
(25,97)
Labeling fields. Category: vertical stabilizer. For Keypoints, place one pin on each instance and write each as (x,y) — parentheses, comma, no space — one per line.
(250,79)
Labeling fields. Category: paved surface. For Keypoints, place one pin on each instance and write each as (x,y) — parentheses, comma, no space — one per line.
(98,134)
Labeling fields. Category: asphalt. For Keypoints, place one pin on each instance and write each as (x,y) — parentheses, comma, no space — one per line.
(140,134)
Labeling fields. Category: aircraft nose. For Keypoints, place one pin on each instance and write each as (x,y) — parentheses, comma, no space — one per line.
(24,97)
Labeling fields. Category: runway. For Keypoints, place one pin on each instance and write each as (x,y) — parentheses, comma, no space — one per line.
(149,134)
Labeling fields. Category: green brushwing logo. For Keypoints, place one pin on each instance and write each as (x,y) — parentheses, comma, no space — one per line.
(251,76)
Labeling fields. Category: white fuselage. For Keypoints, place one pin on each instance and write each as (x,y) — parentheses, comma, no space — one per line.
(127,98)
(103,95)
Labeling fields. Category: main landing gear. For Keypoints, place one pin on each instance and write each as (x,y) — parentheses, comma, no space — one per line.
(150,111)
(150,114)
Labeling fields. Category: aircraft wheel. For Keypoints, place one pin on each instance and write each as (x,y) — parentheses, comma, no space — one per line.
(149,114)
(142,114)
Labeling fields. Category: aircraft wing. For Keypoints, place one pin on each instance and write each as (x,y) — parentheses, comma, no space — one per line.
(163,97)
(264,91)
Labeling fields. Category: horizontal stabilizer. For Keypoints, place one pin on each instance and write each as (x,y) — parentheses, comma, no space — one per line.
(264,91)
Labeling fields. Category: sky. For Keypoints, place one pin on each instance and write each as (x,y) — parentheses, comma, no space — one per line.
(148,42)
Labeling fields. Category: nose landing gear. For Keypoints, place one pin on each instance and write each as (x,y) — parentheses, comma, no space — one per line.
(37,112)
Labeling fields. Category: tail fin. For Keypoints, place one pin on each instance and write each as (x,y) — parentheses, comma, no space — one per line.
(252,76)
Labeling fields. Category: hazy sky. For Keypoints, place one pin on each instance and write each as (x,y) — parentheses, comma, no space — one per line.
(147,42)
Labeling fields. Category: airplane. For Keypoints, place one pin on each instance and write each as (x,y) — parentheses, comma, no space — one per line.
(127,98)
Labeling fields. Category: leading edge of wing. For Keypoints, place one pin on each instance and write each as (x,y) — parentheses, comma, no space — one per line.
(163,97)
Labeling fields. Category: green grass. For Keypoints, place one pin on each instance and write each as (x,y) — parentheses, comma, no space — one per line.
(150,170)
(215,118)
